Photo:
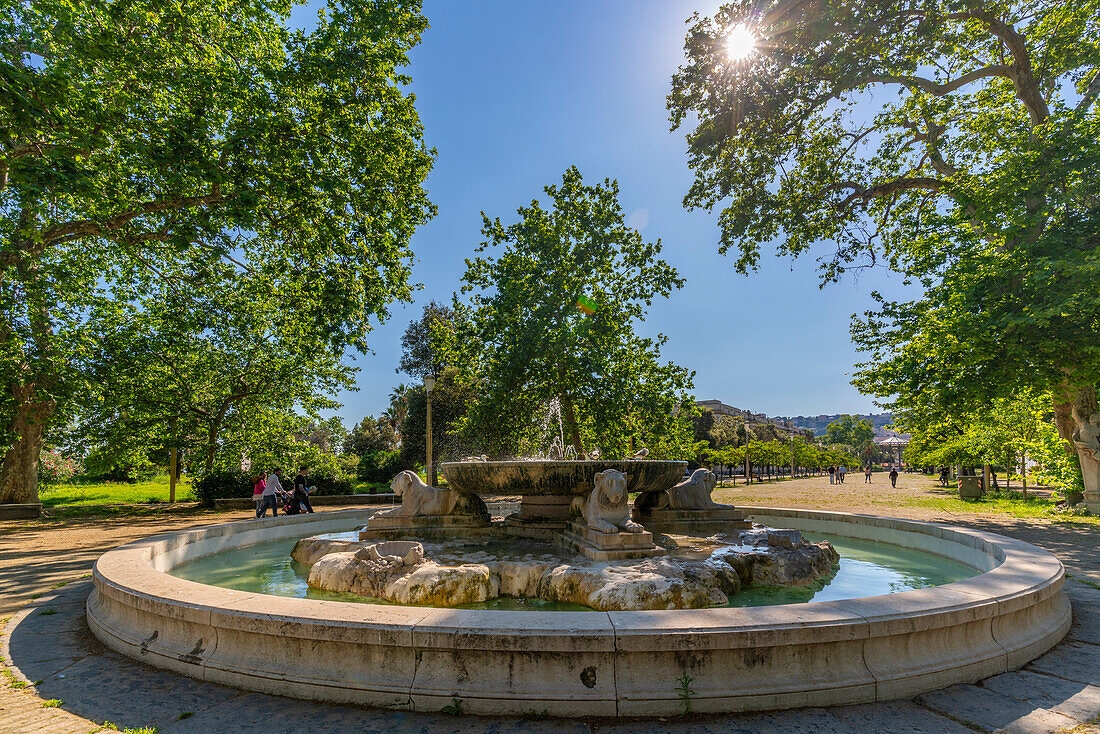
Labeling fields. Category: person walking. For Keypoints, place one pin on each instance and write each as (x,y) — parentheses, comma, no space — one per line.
(832,474)
(258,484)
(840,472)
(867,474)
(272,490)
(893,477)
(302,492)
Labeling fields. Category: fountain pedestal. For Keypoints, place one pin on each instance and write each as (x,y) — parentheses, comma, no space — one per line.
(429,527)
(545,507)
(599,546)
(698,523)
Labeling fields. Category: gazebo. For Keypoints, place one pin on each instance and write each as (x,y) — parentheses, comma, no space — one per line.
(897,443)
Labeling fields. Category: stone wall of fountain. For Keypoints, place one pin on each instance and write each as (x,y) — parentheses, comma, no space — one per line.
(615,663)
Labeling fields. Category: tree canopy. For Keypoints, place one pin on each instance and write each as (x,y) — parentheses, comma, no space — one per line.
(956,143)
(142,138)
(553,306)
(850,431)
(424,343)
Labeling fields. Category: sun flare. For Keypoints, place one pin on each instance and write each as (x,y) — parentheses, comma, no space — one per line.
(740,43)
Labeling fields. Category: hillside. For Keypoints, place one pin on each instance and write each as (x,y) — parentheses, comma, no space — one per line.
(817,423)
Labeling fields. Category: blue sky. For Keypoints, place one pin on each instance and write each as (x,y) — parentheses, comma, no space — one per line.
(511,94)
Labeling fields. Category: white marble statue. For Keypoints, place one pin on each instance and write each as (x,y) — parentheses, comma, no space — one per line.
(605,508)
(1087,440)
(694,492)
(1087,435)
(418,499)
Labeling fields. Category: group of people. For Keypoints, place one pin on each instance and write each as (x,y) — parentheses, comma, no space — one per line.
(268,491)
(836,475)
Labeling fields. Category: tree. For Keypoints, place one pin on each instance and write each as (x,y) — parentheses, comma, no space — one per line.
(852,432)
(370,436)
(975,176)
(530,341)
(200,363)
(451,399)
(128,146)
(423,345)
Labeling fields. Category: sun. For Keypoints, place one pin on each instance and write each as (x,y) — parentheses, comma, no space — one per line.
(740,43)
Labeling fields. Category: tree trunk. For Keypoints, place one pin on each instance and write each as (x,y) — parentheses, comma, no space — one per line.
(212,438)
(19,470)
(569,416)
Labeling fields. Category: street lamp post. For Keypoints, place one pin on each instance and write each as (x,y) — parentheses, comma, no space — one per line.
(429,467)
(748,477)
(792,454)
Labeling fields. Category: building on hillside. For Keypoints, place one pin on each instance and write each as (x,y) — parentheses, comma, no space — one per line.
(719,408)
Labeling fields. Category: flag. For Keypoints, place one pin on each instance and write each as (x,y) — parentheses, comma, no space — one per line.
(586,305)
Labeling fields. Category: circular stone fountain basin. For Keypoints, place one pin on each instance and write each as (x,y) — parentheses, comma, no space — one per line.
(587,663)
(539,477)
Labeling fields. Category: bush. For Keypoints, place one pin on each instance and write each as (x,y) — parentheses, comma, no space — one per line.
(348,464)
(223,484)
(53,468)
(327,481)
(115,465)
(380,466)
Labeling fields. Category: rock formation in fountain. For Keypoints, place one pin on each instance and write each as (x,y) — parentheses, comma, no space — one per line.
(758,557)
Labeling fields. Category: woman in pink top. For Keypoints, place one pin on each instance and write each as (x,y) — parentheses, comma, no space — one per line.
(258,491)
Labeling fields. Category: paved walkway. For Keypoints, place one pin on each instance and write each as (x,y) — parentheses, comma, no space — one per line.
(47,647)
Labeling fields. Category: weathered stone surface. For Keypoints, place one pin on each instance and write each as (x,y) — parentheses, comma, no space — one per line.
(896,717)
(653,583)
(605,508)
(308,551)
(563,478)
(989,710)
(1078,700)
(753,658)
(1076,661)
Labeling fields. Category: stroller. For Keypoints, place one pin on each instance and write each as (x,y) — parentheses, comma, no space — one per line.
(289,503)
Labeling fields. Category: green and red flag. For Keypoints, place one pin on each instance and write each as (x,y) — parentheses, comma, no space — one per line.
(586,305)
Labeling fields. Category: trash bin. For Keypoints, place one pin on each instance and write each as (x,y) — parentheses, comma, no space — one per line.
(970,488)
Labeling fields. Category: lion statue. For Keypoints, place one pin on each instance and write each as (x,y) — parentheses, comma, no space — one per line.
(605,508)
(691,494)
(694,492)
(419,499)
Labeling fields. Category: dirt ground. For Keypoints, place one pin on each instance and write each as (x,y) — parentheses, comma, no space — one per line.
(37,555)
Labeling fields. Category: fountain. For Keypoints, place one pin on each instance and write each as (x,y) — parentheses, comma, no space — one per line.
(657,580)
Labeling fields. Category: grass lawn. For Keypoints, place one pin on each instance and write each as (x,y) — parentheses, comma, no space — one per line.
(358,487)
(105,493)
(1005,502)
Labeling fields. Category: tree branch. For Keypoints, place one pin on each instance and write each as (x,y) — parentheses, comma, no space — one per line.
(73,230)
(1091,93)
(1023,75)
(891,187)
(946,88)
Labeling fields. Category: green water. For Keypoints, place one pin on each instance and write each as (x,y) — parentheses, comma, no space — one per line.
(866,569)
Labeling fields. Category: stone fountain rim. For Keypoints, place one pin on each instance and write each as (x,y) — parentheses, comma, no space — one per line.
(995,621)
(565,462)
